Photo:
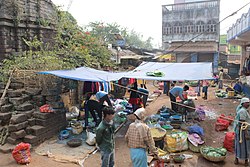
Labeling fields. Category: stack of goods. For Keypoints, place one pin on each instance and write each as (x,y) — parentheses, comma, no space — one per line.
(122,106)
(46,125)
(167,119)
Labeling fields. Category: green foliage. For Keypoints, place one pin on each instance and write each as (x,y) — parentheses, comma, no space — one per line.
(105,33)
(135,40)
(73,46)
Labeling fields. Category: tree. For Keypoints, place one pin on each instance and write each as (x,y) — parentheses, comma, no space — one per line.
(105,33)
(73,47)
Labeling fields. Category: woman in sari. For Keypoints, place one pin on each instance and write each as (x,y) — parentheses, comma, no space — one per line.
(242,132)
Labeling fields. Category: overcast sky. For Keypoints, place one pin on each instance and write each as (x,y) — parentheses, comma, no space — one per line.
(144,16)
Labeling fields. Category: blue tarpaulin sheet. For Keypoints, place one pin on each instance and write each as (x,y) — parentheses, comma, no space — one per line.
(171,71)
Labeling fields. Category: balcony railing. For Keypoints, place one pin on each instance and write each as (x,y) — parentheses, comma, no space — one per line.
(191,5)
(241,25)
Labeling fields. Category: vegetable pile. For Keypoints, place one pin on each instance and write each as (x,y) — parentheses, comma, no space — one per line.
(214,152)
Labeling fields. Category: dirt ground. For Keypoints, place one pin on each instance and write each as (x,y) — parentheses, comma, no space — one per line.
(122,158)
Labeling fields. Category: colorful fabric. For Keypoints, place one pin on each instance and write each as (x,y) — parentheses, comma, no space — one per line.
(138,157)
(195,139)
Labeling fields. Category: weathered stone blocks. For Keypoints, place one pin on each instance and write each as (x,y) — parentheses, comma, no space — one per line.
(16,127)
(24,107)
(15,119)
(18,134)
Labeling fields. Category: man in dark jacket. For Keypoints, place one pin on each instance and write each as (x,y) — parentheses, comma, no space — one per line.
(105,137)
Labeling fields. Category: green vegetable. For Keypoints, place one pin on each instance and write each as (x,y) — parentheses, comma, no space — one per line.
(214,152)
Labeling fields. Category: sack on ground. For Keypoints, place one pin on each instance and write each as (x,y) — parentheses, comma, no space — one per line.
(221,124)
(229,118)
(21,153)
(90,138)
(176,141)
(229,141)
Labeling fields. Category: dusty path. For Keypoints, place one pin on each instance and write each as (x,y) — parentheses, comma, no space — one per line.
(122,159)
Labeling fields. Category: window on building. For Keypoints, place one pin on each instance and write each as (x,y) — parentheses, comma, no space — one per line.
(211,26)
(188,27)
(177,28)
(200,27)
(168,29)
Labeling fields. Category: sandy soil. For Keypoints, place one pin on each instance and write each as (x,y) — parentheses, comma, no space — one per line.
(122,158)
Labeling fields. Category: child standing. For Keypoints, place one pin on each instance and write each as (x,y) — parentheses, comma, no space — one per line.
(105,137)
(205,84)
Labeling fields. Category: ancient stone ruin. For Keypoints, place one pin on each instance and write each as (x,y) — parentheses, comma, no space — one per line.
(25,19)
(20,117)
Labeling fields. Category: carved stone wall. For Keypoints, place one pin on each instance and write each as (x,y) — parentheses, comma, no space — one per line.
(25,19)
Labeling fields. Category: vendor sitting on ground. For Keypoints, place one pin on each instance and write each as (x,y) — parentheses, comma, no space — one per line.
(175,92)
(238,87)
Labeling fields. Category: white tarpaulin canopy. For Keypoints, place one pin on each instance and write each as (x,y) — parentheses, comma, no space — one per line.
(173,71)
(86,74)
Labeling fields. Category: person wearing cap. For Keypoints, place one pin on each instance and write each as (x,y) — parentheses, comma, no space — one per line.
(175,92)
(139,138)
(105,137)
(242,141)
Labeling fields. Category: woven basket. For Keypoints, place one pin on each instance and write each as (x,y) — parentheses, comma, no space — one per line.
(74,142)
(212,159)
(194,148)
(162,133)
